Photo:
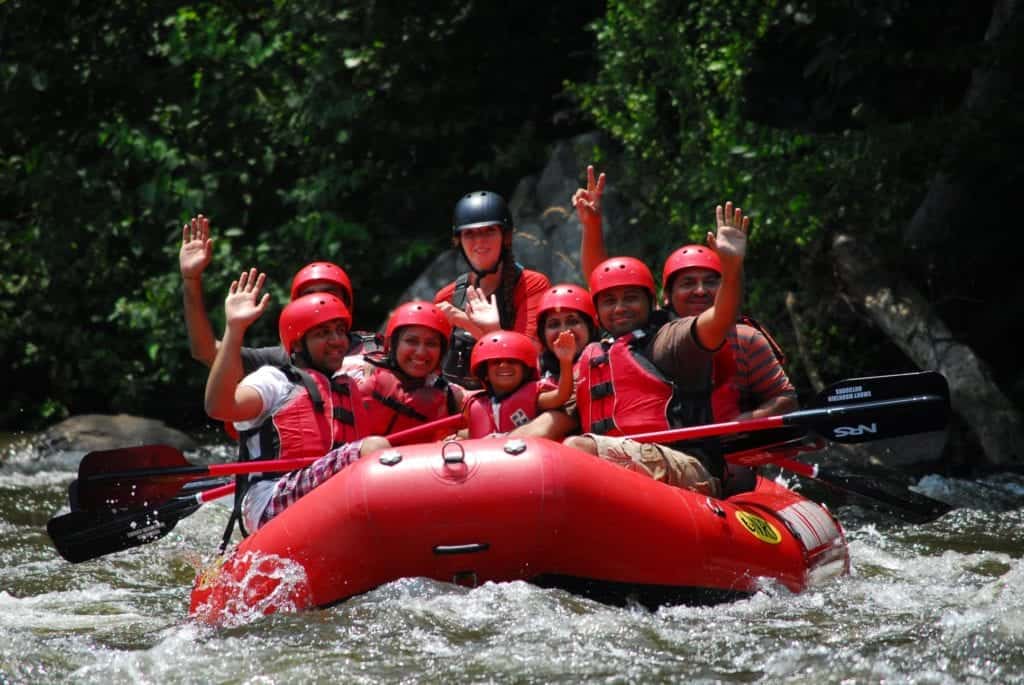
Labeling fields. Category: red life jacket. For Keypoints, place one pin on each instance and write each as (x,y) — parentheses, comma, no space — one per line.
(486,415)
(620,391)
(393,405)
(326,413)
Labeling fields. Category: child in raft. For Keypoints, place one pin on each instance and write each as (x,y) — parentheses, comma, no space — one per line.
(505,362)
(565,307)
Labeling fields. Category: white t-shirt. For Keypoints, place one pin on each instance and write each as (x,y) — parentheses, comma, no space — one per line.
(274,389)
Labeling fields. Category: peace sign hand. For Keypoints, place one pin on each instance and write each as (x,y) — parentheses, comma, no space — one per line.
(587,201)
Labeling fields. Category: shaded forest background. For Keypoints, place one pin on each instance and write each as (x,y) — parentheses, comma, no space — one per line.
(346,131)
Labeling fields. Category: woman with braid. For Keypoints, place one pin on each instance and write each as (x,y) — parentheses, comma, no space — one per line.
(496,293)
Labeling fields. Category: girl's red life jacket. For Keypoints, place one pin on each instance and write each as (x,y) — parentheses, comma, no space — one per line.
(486,415)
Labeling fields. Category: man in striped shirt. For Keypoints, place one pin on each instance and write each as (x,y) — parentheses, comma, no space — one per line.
(752,362)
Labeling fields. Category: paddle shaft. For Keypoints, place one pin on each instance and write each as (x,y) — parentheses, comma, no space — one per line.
(262,466)
(805,418)
(811,419)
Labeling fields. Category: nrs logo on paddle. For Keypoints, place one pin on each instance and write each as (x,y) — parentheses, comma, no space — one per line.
(853,431)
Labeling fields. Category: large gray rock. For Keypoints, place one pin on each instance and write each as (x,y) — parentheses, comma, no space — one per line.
(90,432)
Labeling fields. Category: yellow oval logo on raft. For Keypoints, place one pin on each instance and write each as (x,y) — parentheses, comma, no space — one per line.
(759,528)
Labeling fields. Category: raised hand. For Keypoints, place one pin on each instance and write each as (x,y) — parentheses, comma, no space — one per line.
(730,241)
(587,201)
(564,346)
(243,305)
(196,247)
(481,310)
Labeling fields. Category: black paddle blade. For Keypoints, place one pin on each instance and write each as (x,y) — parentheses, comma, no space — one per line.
(130,477)
(133,497)
(879,407)
(883,388)
(80,535)
(886,493)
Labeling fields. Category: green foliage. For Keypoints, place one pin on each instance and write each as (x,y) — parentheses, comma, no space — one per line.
(304,130)
(318,131)
(816,118)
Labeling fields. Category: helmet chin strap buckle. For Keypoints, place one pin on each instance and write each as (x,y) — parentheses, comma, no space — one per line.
(486,272)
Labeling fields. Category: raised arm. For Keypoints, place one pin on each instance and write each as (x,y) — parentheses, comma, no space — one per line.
(730,242)
(587,202)
(193,258)
(226,400)
(564,348)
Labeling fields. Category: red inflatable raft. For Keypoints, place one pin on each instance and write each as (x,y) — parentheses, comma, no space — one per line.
(498,509)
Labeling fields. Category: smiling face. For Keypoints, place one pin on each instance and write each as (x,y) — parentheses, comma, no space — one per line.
(623,308)
(565,320)
(693,290)
(505,375)
(482,246)
(418,350)
(327,344)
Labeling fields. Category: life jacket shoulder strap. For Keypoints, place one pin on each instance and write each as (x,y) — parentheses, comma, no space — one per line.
(759,327)
(301,377)
(398,407)
(459,294)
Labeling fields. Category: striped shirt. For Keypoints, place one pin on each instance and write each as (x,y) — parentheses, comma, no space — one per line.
(759,375)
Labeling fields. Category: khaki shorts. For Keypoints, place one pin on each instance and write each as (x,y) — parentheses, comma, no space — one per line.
(659,462)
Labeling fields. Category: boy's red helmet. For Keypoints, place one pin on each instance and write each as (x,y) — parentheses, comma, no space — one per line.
(317,273)
(621,271)
(686,257)
(503,345)
(307,312)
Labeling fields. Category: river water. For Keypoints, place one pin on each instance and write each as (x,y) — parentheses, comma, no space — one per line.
(935,603)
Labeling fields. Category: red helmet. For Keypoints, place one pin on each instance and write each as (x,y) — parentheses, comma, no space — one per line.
(418,313)
(566,296)
(322,273)
(621,271)
(689,256)
(307,312)
(503,345)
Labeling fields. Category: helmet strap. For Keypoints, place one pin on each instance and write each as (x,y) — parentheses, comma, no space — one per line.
(485,272)
(302,355)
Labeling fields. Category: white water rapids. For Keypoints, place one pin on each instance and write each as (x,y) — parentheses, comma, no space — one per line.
(936,603)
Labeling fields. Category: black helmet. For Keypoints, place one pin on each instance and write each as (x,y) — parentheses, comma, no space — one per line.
(481,208)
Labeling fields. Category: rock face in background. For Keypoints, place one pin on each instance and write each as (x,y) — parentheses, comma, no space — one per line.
(547,235)
(90,432)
